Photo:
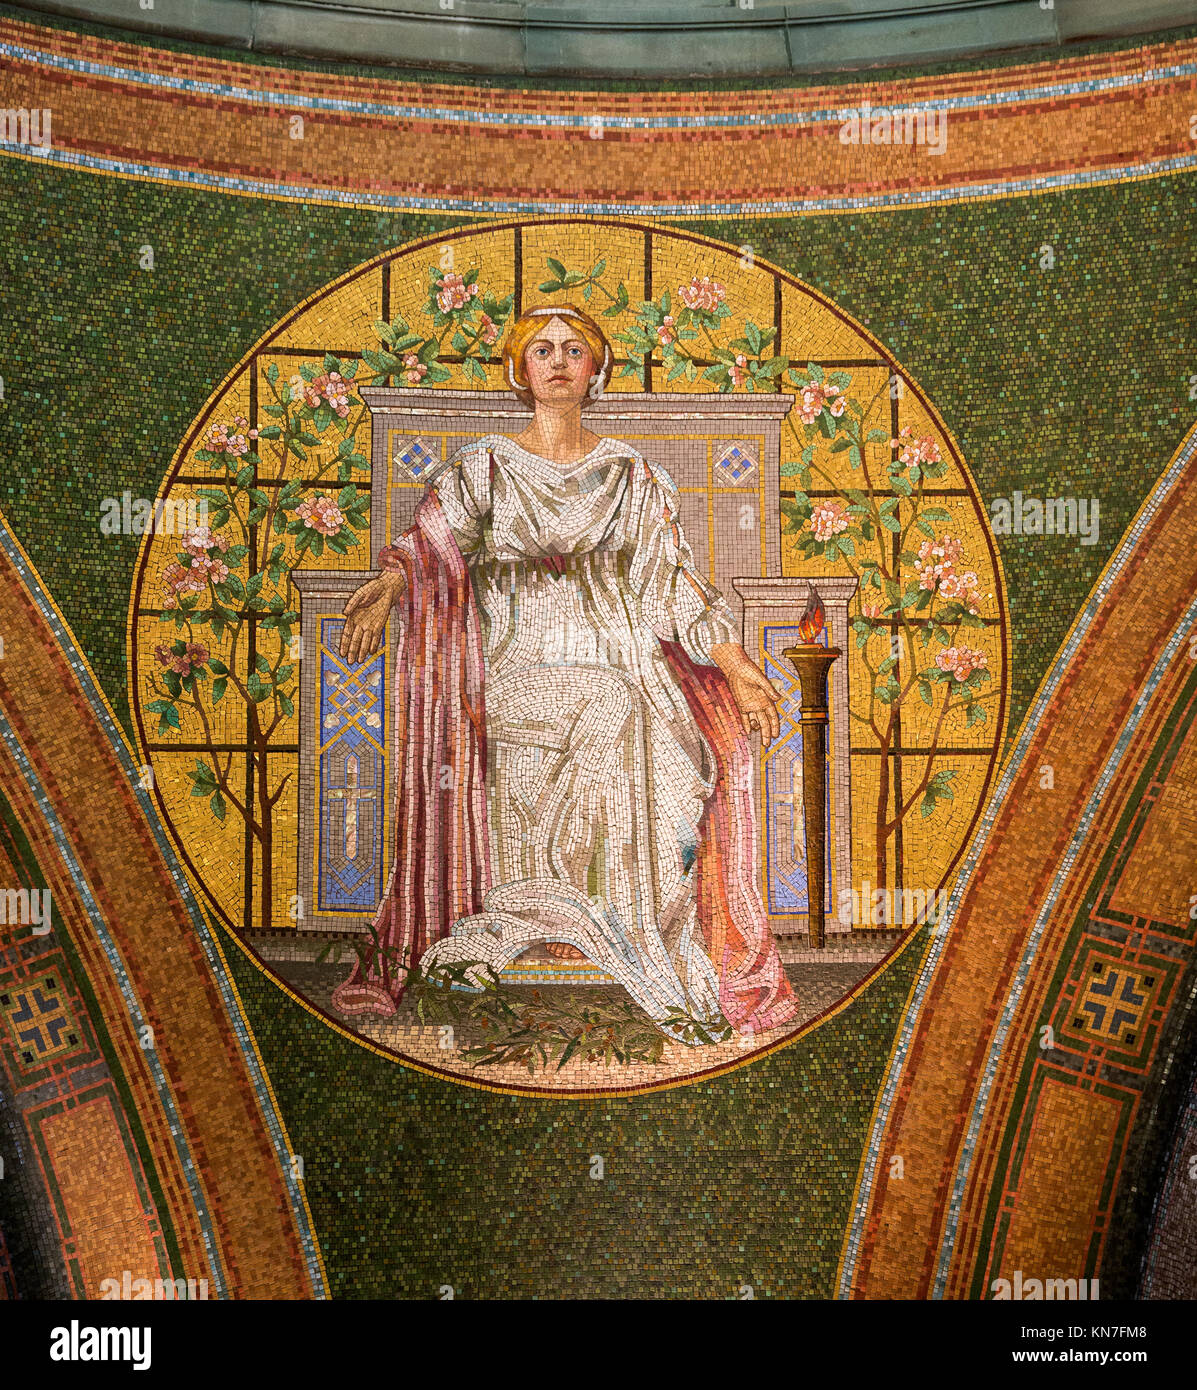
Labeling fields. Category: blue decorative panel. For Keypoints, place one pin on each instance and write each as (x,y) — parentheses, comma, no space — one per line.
(784,828)
(417,457)
(351,776)
(734,464)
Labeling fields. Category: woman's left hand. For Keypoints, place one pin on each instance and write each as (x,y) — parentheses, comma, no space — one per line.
(751,689)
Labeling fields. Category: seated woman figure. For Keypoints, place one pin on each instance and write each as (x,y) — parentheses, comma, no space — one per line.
(572,720)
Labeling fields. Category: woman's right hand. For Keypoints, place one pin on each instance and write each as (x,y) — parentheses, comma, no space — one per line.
(366,615)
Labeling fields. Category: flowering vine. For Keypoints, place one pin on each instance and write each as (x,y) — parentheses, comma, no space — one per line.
(293,486)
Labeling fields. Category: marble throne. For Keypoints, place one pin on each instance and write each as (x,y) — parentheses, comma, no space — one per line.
(723,451)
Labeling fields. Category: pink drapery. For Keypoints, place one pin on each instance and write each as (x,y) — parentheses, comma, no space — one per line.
(441,870)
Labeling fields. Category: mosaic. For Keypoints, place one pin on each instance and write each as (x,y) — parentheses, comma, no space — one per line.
(500,762)
(598,685)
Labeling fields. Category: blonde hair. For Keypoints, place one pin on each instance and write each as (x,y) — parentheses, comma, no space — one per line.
(525,329)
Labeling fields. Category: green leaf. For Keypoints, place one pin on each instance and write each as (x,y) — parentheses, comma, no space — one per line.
(217,805)
(925,692)
(384,363)
(773,366)
(556,267)
(218,688)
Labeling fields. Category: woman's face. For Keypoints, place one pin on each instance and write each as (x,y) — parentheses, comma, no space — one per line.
(558,364)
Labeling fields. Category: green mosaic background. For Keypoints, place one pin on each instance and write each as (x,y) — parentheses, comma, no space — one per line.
(1072,381)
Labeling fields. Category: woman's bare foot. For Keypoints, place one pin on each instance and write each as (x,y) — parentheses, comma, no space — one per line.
(563,950)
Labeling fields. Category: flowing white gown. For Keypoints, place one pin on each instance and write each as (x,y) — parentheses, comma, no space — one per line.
(596,771)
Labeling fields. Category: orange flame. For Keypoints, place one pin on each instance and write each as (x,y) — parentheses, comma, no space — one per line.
(813,622)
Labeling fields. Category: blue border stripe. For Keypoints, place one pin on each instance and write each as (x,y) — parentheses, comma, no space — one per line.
(1049,91)
(403,202)
(240,1028)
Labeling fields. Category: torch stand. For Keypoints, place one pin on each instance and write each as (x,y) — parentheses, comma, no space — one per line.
(812,662)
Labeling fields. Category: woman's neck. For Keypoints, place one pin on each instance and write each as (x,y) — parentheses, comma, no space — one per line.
(557,434)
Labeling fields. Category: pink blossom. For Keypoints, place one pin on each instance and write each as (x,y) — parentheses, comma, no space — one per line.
(964,586)
(936,560)
(810,404)
(827,519)
(705,294)
(962,661)
(490,330)
(871,610)
(413,369)
(321,514)
(195,654)
(201,540)
(330,388)
(454,293)
(816,397)
(230,438)
(666,333)
(215,570)
(738,370)
(183,579)
(912,451)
